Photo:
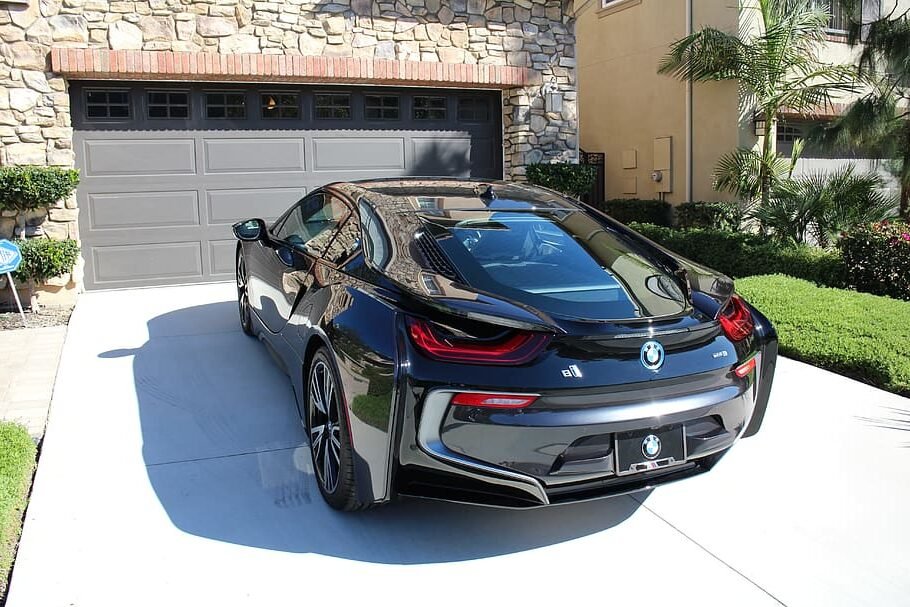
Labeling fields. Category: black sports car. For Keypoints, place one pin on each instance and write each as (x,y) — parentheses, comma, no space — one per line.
(495,343)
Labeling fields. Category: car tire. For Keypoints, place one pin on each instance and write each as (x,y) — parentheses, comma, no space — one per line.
(243,299)
(329,436)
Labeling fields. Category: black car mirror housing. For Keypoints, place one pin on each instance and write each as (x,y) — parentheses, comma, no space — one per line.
(250,230)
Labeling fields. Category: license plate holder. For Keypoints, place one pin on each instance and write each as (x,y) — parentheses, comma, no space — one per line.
(634,449)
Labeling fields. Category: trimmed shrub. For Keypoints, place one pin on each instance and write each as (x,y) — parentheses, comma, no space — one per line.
(43,258)
(634,210)
(859,335)
(570,179)
(739,254)
(877,258)
(25,188)
(711,215)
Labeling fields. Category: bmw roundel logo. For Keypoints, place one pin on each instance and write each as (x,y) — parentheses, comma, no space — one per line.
(652,355)
(650,446)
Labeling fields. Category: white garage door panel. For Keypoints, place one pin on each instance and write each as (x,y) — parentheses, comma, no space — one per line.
(139,157)
(358,153)
(231,206)
(221,255)
(134,263)
(143,209)
(254,155)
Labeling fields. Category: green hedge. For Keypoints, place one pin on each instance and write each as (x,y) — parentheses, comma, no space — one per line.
(634,210)
(859,335)
(43,258)
(23,188)
(17,461)
(711,215)
(739,254)
(877,258)
(570,179)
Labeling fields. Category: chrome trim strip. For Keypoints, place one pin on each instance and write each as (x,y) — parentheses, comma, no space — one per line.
(434,410)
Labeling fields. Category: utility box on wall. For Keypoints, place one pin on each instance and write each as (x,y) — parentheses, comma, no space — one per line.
(662,174)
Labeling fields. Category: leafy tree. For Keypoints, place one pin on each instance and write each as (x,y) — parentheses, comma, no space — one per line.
(879,121)
(776,64)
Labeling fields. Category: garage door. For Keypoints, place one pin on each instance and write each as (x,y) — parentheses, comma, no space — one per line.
(167,169)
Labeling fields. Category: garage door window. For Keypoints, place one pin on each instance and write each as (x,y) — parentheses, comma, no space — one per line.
(330,106)
(107,104)
(429,108)
(280,105)
(225,105)
(381,107)
(168,104)
(473,109)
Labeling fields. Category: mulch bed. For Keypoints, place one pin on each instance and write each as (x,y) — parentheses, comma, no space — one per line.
(45,317)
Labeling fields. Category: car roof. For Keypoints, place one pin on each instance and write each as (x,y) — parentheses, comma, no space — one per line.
(396,196)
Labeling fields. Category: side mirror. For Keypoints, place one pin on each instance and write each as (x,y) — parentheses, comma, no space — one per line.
(250,230)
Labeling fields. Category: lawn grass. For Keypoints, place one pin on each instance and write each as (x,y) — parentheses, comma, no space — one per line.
(17,462)
(866,337)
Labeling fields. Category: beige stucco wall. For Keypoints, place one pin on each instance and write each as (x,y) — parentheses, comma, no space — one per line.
(624,104)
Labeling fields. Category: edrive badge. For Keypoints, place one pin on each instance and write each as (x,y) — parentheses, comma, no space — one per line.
(652,355)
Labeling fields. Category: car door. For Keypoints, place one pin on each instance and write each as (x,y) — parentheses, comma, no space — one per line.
(284,268)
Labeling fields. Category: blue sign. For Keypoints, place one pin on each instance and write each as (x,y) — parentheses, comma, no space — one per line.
(10,257)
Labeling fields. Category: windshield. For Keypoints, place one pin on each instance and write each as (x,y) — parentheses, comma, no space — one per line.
(561,262)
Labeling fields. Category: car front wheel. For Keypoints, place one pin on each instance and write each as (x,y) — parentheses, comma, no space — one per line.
(243,298)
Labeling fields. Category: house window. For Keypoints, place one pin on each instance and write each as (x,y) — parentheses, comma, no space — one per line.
(473,109)
(328,106)
(280,105)
(225,105)
(381,107)
(839,20)
(168,104)
(429,108)
(107,104)
(788,134)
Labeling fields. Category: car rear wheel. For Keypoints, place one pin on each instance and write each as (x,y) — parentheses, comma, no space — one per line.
(243,299)
(330,443)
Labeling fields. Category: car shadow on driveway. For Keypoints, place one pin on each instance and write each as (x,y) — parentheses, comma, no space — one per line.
(227,459)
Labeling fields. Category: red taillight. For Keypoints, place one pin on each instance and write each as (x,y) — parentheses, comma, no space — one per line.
(493,401)
(514,349)
(746,368)
(736,320)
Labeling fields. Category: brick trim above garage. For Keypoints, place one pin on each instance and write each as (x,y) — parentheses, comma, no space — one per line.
(168,65)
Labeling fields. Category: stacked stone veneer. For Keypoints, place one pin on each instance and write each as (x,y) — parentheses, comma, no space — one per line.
(35,123)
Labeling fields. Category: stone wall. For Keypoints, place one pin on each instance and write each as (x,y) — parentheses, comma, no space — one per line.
(35,125)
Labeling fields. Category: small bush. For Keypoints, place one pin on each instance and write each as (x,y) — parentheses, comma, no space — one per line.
(877,258)
(570,179)
(739,254)
(634,210)
(25,188)
(17,461)
(43,258)
(711,215)
(859,335)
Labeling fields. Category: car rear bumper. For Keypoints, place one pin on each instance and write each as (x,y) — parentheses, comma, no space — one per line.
(562,448)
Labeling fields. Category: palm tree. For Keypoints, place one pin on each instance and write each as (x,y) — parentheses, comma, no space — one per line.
(775,60)
(879,121)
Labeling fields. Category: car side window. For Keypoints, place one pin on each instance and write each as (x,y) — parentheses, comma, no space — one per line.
(310,225)
(343,241)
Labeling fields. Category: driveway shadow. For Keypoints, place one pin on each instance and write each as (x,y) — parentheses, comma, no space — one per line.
(227,459)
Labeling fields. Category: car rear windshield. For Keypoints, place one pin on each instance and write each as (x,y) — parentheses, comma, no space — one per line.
(565,263)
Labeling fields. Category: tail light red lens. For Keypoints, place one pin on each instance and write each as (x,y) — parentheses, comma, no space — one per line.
(515,348)
(493,401)
(736,320)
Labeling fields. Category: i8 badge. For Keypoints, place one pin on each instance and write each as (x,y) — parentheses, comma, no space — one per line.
(652,355)
(650,446)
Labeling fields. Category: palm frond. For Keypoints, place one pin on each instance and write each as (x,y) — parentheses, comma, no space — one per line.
(709,54)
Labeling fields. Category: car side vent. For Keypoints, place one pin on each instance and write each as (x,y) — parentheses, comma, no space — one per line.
(433,257)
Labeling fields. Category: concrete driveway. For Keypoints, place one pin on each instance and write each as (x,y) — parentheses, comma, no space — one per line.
(174,472)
